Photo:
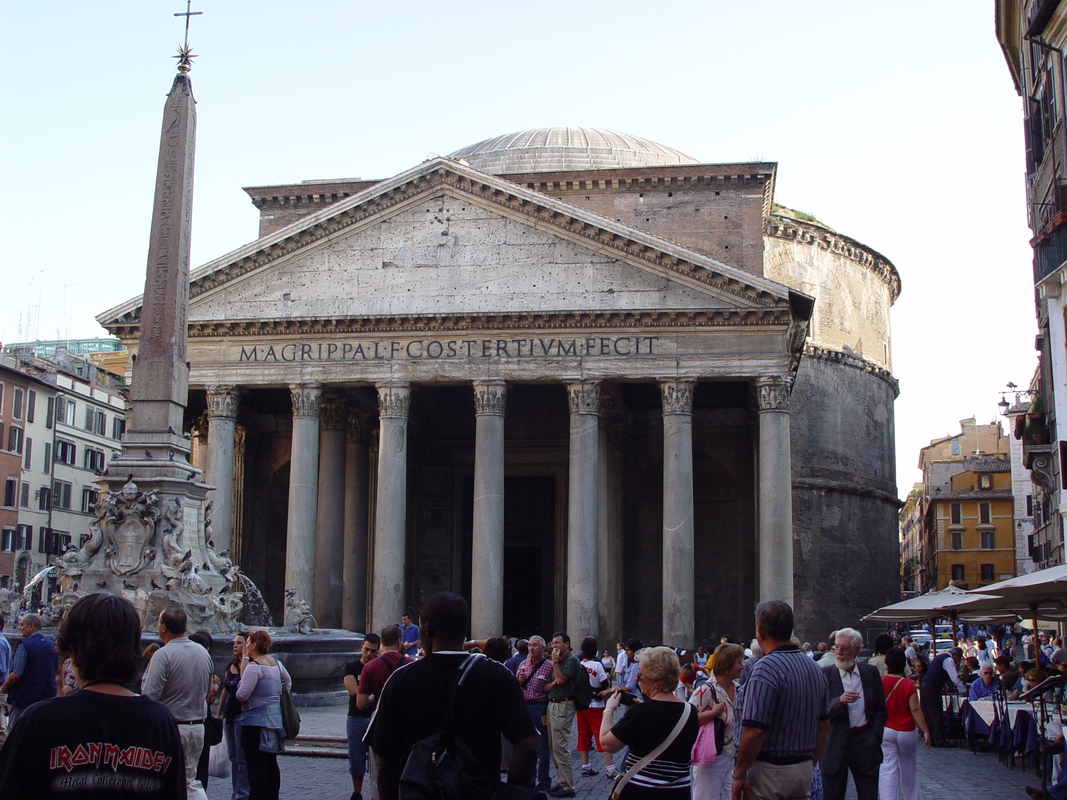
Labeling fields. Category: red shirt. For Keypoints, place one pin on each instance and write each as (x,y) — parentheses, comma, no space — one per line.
(377,672)
(898,692)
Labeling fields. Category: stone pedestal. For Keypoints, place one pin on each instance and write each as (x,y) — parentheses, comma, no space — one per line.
(303,492)
(487,551)
(582,510)
(329,545)
(394,401)
(775,491)
(222,404)
(679,624)
(357,481)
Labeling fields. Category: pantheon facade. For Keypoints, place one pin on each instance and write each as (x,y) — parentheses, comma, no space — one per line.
(581,378)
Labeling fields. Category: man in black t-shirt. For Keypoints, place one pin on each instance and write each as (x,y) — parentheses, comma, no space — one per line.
(414,700)
(358,719)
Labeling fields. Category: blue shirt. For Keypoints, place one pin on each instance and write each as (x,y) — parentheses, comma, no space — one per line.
(408,634)
(786,696)
(5,657)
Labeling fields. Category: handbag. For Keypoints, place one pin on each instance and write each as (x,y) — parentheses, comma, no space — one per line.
(442,767)
(218,762)
(290,716)
(212,731)
(624,778)
(705,749)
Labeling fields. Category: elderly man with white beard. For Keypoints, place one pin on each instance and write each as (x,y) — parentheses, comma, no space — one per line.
(857,718)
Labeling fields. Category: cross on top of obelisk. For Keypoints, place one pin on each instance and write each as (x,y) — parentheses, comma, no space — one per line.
(185,52)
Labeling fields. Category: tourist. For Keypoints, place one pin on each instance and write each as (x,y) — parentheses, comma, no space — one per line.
(985,686)
(262,734)
(409,635)
(784,713)
(1010,680)
(101,633)
(414,701)
(646,725)
(899,771)
(565,667)
(628,677)
(522,651)
(882,643)
(609,662)
(213,729)
(358,719)
(5,665)
(533,674)
(716,700)
(230,711)
(377,672)
(32,675)
(589,718)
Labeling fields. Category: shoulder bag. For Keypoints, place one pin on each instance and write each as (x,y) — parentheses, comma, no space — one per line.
(624,778)
(290,716)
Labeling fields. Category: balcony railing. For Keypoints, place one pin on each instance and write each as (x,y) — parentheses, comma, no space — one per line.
(1050,249)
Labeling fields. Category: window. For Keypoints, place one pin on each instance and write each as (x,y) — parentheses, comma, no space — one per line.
(49,412)
(5,581)
(955,447)
(11,490)
(65,451)
(24,537)
(957,540)
(53,543)
(1029,505)
(89,417)
(44,498)
(65,410)
(93,459)
(118,427)
(987,572)
(985,481)
(101,423)
(16,403)
(14,439)
(24,495)
(1,395)
(28,462)
(47,466)
(61,494)
(7,540)
(987,540)
(955,514)
(88,499)
(957,572)
(31,405)
(984,515)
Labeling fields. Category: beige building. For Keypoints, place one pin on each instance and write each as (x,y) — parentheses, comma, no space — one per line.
(578,377)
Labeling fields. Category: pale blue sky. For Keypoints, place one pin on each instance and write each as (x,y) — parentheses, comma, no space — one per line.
(895,123)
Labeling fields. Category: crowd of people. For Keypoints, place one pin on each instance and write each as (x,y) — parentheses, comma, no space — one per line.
(94,716)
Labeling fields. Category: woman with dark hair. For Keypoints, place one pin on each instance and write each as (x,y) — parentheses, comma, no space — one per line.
(901,735)
(230,711)
(262,735)
(101,635)
(882,643)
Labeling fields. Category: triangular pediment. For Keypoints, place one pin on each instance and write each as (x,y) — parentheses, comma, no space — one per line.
(443,238)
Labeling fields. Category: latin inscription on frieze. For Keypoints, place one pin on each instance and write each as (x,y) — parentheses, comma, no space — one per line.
(437,349)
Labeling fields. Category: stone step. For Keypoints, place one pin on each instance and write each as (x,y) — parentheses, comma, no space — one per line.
(318,747)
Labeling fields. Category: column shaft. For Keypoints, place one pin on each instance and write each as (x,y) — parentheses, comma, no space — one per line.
(582,510)
(391,506)
(303,492)
(357,482)
(487,550)
(329,534)
(222,404)
(679,624)
(775,491)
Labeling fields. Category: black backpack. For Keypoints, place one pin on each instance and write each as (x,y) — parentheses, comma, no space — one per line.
(583,689)
(442,767)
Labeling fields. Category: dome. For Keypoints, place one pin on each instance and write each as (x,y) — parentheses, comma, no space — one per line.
(562,149)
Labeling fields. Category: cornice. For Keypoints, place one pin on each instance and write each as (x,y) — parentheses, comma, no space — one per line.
(804,233)
(855,362)
(545,212)
(461,323)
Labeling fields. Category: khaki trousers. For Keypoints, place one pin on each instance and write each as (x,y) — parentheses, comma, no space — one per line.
(780,782)
(192,745)
(560,722)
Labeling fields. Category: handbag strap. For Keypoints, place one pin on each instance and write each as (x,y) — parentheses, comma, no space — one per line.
(652,756)
(895,685)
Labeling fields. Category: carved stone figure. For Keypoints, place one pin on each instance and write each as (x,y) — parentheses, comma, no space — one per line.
(298,616)
(128,522)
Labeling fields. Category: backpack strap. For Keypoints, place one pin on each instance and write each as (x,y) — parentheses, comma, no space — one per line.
(447,734)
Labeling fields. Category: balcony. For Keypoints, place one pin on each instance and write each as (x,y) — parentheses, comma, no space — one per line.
(1050,248)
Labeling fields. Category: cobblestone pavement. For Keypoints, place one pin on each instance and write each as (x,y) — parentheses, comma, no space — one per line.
(944,773)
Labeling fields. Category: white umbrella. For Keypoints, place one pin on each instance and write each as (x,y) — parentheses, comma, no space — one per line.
(1038,595)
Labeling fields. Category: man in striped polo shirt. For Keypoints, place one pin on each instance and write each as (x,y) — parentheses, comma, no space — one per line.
(785,717)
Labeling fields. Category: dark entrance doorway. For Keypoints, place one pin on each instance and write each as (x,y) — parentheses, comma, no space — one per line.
(529,552)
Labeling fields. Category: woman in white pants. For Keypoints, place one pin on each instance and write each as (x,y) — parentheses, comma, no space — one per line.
(900,739)
(715,700)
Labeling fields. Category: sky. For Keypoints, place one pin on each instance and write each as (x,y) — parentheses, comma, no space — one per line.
(895,123)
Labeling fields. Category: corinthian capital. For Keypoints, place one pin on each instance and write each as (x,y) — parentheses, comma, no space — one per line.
(394,400)
(333,414)
(223,400)
(358,427)
(583,397)
(490,397)
(772,393)
(306,397)
(677,395)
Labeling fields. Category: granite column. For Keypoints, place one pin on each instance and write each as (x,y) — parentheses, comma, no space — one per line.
(357,483)
(222,404)
(487,551)
(679,624)
(394,401)
(582,510)
(775,491)
(303,491)
(329,535)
